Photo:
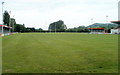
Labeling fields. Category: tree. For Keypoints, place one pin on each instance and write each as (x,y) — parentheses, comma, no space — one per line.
(40,29)
(28,29)
(12,23)
(58,26)
(6,18)
(78,29)
(19,28)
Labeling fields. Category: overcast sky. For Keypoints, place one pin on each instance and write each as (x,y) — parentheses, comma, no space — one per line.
(74,13)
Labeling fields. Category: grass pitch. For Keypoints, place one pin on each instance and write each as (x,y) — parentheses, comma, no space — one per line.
(0,55)
(60,53)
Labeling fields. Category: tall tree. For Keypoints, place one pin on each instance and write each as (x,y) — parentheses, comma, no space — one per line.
(6,18)
(12,23)
(58,26)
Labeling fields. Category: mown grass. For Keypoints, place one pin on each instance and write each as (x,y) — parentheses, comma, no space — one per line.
(60,53)
(0,54)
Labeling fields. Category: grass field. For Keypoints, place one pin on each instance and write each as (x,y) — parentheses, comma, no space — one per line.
(0,55)
(60,53)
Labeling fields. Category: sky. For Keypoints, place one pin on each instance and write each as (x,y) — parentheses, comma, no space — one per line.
(74,13)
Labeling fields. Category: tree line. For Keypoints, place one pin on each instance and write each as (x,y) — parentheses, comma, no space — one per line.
(17,27)
(57,26)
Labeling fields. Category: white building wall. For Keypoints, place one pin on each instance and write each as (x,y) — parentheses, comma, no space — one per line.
(115,31)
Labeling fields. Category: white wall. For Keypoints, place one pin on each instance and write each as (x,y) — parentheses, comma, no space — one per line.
(115,31)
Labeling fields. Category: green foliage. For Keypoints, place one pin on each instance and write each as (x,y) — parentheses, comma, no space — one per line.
(103,25)
(108,27)
(12,23)
(19,28)
(6,18)
(28,29)
(57,26)
(78,29)
(39,30)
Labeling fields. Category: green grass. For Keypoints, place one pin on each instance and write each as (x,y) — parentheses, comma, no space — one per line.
(60,53)
(0,54)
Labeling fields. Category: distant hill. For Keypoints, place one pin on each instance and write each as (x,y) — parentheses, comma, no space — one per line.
(103,25)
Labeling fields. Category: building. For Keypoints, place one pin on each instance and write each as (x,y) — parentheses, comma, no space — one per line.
(116,30)
(97,30)
(6,30)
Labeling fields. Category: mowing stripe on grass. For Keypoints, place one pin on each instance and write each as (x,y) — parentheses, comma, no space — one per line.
(60,53)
